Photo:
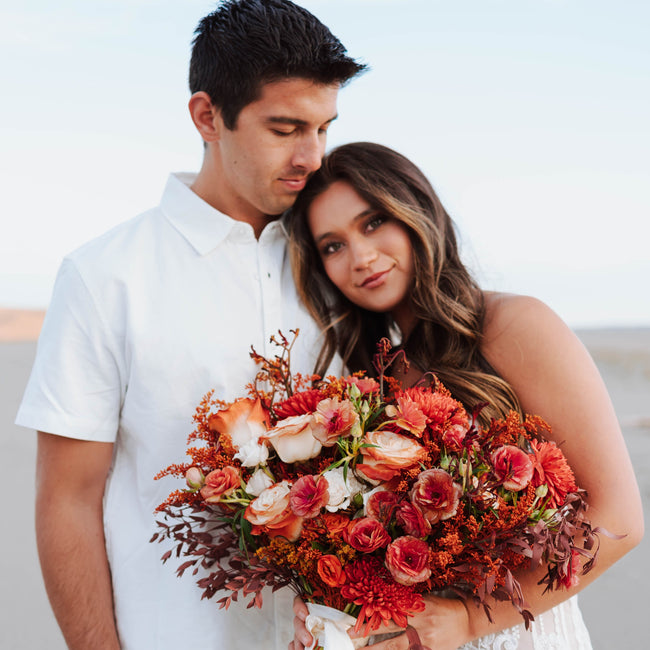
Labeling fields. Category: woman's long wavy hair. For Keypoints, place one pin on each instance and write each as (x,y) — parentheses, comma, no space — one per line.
(447,302)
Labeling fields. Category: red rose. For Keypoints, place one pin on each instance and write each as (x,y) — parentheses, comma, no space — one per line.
(330,571)
(436,494)
(407,559)
(412,521)
(308,495)
(381,505)
(219,483)
(366,535)
(512,466)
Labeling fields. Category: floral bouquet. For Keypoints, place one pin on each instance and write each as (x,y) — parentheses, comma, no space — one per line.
(362,496)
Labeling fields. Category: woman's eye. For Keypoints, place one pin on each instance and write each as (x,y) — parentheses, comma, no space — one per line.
(330,248)
(375,222)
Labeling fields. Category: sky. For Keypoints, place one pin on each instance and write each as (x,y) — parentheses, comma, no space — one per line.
(530,117)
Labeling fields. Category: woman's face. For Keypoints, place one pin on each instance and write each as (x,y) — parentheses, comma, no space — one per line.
(367,255)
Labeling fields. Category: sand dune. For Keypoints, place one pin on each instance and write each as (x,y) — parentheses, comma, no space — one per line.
(20,324)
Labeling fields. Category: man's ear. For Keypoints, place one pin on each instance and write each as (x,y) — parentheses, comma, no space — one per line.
(206,116)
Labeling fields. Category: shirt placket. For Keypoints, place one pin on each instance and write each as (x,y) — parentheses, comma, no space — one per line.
(270,252)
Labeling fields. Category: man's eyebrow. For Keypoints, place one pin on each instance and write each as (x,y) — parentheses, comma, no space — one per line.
(293,121)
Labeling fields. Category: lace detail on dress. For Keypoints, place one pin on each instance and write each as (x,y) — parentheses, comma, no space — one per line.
(560,628)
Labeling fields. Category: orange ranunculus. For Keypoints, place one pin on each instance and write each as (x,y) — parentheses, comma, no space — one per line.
(407,559)
(293,438)
(333,419)
(551,468)
(436,495)
(512,466)
(330,571)
(334,523)
(220,483)
(271,513)
(390,454)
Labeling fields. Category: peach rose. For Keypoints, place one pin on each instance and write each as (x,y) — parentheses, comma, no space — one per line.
(390,454)
(330,571)
(512,466)
(366,535)
(293,438)
(271,513)
(220,483)
(407,559)
(436,495)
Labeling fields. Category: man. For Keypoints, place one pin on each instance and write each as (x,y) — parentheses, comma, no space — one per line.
(147,318)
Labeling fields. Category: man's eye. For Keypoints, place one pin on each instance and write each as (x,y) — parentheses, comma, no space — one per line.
(281,133)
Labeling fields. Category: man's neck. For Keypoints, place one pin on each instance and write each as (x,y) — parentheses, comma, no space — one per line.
(206,186)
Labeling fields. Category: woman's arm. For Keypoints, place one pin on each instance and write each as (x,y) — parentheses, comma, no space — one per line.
(555,378)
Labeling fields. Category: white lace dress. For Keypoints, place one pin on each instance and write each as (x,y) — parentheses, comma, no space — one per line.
(560,628)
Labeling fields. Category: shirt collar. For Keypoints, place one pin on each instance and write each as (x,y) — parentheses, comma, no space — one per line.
(203,226)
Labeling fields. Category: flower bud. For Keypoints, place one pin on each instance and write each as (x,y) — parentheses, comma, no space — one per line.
(194,478)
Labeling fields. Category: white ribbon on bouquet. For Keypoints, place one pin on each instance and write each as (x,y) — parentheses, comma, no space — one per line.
(329,627)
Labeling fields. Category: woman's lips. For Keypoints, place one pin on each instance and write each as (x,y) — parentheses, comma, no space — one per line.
(374,280)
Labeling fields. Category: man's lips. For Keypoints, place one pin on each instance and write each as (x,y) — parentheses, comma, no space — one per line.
(374,280)
(294,184)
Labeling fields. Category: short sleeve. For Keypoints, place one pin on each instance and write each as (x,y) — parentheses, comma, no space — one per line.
(77,385)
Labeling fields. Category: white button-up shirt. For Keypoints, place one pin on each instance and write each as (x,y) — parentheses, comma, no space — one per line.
(143,322)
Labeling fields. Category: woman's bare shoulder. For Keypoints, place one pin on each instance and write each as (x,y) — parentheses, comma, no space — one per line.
(521,329)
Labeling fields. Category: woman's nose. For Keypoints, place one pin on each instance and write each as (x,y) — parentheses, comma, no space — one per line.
(363,255)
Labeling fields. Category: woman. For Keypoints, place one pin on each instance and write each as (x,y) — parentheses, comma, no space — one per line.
(375,254)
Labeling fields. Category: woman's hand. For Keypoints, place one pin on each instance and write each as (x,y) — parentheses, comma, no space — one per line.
(443,625)
(301,637)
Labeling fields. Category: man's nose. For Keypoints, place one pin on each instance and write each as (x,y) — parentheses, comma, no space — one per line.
(309,152)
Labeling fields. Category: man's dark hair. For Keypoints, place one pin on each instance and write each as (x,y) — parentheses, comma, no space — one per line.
(247,43)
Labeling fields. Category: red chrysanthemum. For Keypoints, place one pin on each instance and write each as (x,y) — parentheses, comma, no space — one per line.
(551,468)
(381,598)
(298,404)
